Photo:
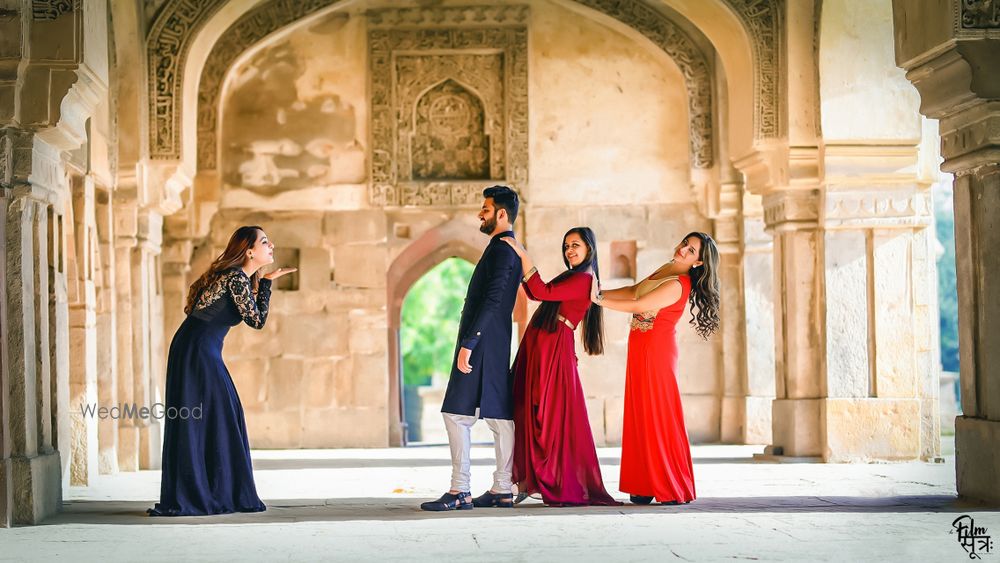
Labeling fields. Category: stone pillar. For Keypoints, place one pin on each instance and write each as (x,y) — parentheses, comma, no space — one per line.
(953,66)
(83,336)
(107,329)
(125,215)
(147,351)
(35,470)
(878,272)
(792,216)
(6,487)
(758,299)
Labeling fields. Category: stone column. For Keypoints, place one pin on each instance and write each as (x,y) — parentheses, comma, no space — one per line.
(147,351)
(107,330)
(125,214)
(83,337)
(878,271)
(6,487)
(792,216)
(35,471)
(953,66)
(758,298)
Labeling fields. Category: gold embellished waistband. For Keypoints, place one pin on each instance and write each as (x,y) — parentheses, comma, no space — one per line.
(566,322)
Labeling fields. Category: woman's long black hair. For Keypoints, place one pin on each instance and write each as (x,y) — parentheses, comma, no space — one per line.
(545,317)
(704,294)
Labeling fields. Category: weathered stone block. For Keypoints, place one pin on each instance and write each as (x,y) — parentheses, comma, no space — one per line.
(284,384)
(320,383)
(341,227)
(314,335)
(36,487)
(701,417)
(871,429)
(977,458)
(360,265)
(314,269)
(371,380)
(274,429)
(345,428)
(797,427)
(368,332)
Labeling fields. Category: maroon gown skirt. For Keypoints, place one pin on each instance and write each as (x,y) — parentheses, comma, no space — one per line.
(554,451)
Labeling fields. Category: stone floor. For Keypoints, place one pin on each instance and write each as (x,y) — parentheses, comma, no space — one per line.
(355,505)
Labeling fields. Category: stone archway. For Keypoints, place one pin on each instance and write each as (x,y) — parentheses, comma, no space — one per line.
(449,240)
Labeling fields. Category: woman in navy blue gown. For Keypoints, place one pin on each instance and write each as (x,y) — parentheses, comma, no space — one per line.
(206,454)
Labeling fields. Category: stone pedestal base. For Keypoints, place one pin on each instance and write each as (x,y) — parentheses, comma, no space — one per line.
(977,459)
(746,420)
(37,487)
(128,448)
(150,447)
(6,520)
(796,427)
(871,429)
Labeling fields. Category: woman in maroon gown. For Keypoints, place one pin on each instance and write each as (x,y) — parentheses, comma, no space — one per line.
(656,455)
(554,451)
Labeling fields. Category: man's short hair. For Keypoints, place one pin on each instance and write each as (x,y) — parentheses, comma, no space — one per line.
(504,197)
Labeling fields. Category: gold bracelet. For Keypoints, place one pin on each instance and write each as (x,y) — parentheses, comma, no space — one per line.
(529,273)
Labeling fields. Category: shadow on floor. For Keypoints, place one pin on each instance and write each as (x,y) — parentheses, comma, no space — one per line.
(360,463)
(408,508)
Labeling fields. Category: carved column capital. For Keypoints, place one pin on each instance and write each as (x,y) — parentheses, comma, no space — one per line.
(792,210)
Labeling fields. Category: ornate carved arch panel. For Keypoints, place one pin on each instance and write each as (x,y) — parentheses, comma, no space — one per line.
(481,55)
(179,21)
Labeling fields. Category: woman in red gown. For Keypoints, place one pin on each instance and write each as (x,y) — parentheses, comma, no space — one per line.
(554,451)
(656,455)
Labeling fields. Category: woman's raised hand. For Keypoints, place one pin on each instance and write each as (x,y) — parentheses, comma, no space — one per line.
(278,273)
(515,244)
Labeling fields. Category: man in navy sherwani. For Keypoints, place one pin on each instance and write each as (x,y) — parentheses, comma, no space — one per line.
(481,385)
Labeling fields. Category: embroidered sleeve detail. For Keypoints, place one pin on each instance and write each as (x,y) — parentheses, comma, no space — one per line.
(528,274)
(253,311)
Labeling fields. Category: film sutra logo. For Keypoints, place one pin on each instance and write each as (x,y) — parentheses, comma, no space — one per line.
(973,539)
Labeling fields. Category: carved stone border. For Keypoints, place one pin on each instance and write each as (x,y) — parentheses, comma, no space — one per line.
(178,21)
(249,29)
(458,29)
(763,20)
(167,47)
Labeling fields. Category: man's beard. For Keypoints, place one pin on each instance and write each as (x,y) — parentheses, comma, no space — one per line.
(488,226)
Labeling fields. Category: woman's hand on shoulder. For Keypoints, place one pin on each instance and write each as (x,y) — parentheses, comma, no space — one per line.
(278,273)
(515,244)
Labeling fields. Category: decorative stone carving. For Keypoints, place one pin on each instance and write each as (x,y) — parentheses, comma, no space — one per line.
(980,14)
(46,10)
(666,35)
(178,20)
(877,209)
(788,210)
(167,48)
(414,60)
(449,139)
(250,28)
(762,19)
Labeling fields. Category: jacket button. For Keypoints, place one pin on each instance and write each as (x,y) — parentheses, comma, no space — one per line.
(478,333)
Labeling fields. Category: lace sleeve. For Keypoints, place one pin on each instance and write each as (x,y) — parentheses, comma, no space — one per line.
(254,312)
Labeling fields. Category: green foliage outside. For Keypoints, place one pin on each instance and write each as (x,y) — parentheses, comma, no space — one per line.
(944,225)
(431,312)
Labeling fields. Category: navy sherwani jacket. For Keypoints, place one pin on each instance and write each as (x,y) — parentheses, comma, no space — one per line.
(485,329)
